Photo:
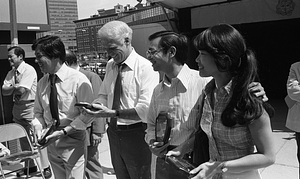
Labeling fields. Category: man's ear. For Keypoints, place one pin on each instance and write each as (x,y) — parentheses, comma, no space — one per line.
(173,51)
(21,56)
(127,40)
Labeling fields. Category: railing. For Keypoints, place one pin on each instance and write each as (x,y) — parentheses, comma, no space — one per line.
(152,14)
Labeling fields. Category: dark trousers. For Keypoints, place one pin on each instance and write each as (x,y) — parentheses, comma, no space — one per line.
(130,155)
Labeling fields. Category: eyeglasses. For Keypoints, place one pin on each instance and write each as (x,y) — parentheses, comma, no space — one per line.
(151,53)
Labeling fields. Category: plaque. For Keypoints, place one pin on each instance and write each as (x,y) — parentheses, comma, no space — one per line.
(163,126)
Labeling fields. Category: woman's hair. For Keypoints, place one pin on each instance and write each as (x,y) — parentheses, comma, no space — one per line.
(51,46)
(231,55)
(169,39)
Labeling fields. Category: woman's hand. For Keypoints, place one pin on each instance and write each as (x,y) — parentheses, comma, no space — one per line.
(206,170)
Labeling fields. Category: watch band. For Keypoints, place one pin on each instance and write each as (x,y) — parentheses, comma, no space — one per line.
(64,131)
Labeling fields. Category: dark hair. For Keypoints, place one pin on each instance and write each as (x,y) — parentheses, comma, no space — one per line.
(71,58)
(51,46)
(231,55)
(169,39)
(17,51)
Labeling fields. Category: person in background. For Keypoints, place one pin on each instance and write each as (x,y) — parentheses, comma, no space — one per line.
(95,132)
(174,97)
(130,154)
(21,82)
(293,116)
(66,146)
(235,121)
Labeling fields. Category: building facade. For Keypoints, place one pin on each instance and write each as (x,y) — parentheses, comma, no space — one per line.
(88,43)
(19,24)
(62,13)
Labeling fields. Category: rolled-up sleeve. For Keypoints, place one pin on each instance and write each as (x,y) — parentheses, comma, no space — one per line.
(38,106)
(149,80)
(84,94)
(151,117)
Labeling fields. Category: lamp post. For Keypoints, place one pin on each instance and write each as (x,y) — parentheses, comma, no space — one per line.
(83,31)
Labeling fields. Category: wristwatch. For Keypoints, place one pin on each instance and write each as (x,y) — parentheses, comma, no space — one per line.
(64,131)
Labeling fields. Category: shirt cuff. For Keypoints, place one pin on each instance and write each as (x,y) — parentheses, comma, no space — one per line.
(149,137)
(81,122)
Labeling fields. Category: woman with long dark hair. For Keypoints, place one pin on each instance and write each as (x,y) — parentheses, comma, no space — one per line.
(236,122)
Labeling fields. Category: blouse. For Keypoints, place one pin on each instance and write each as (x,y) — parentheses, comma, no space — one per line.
(225,143)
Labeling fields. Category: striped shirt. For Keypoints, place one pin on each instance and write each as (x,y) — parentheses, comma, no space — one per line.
(177,97)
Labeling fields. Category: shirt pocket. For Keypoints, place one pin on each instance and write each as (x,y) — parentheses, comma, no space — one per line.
(65,102)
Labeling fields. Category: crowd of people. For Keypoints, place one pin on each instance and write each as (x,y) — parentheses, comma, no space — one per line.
(223,98)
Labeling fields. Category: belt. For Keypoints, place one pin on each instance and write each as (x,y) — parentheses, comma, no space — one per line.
(132,126)
(171,147)
(24,102)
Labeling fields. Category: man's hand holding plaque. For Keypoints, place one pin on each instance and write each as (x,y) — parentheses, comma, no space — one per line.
(46,136)
(163,126)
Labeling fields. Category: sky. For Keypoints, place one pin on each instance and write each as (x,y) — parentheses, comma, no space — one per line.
(86,8)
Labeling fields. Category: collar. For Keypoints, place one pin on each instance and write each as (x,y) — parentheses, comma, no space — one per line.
(62,72)
(21,67)
(183,77)
(212,85)
(130,60)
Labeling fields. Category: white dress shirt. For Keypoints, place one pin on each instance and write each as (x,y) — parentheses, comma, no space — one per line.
(138,82)
(72,87)
(26,77)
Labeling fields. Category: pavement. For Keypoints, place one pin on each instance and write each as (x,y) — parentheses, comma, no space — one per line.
(285,167)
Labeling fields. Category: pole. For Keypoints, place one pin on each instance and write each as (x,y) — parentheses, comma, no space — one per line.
(13,23)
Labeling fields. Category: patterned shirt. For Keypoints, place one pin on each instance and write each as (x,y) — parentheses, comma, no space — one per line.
(177,97)
(225,143)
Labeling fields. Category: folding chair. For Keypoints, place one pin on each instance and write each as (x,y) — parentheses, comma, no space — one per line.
(10,132)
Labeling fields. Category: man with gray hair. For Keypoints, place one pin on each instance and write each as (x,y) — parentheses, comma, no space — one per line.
(125,95)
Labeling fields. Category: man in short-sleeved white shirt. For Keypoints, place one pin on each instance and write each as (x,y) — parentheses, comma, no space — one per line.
(21,82)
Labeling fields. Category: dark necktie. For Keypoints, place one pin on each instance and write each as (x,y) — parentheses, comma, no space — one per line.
(53,99)
(117,95)
(17,81)
(16,77)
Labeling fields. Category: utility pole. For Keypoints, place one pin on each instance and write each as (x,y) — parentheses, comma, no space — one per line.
(13,23)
